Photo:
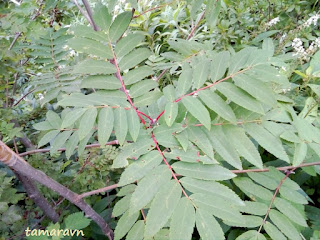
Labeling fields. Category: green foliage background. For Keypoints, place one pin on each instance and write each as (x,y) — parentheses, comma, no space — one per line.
(259,109)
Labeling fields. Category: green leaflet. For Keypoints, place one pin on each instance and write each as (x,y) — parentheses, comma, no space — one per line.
(196,108)
(243,144)
(120,124)
(223,147)
(124,224)
(126,190)
(59,141)
(105,125)
(269,142)
(219,65)
(72,116)
(48,137)
(247,221)
(290,211)
(54,119)
(183,139)
(136,231)
(169,92)
(199,138)
(217,104)
(134,58)
(185,79)
(162,207)
(251,189)
(191,155)
(142,87)
(212,12)
(212,188)
(165,135)
(119,26)
(292,195)
(90,46)
(43,126)
(133,124)
(127,44)
(135,75)
(121,206)
(72,144)
(102,17)
(201,171)
(315,88)
(239,60)
(182,220)
(91,66)
(216,206)
(133,150)
(83,142)
(87,122)
(273,231)
(256,88)
(140,168)
(284,224)
(300,152)
(207,226)
(200,73)
(254,208)
(149,186)
(265,179)
(148,98)
(170,113)
(101,82)
(240,97)
(251,235)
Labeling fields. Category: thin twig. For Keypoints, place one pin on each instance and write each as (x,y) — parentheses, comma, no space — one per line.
(100,190)
(23,97)
(14,40)
(90,16)
(196,26)
(95,145)
(161,74)
(274,197)
(154,8)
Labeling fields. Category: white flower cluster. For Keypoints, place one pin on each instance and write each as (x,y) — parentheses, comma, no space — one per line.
(273,22)
(312,20)
(298,47)
(301,51)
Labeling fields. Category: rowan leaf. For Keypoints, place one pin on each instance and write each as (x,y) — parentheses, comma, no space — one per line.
(133,124)
(105,125)
(212,188)
(135,75)
(185,79)
(162,207)
(273,231)
(91,66)
(127,44)
(240,97)
(200,73)
(199,138)
(218,105)
(196,108)
(134,58)
(207,226)
(216,206)
(251,235)
(119,25)
(101,82)
(182,220)
(87,122)
(219,65)
(140,168)
(266,140)
(72,116)
(102,17)
(201,171)
(243,144)
(142,87)
(124,224)
(300,153)
(120,124)
(284,224)
(136,231)
(170,113)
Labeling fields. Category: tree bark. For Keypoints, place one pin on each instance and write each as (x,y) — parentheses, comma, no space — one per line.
(18,164)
